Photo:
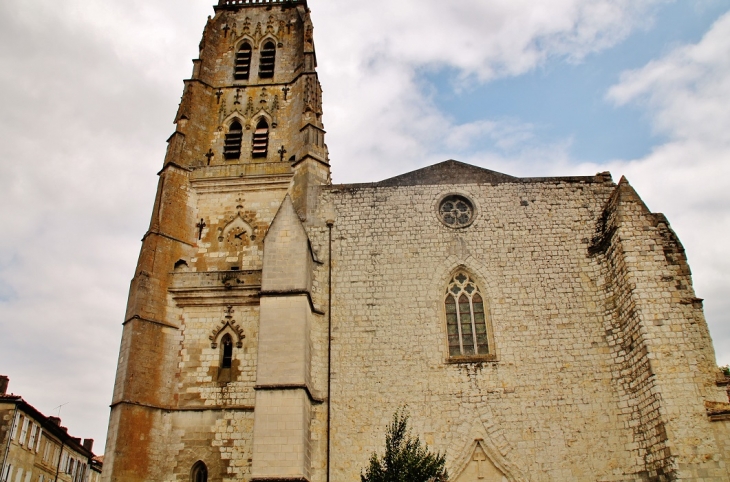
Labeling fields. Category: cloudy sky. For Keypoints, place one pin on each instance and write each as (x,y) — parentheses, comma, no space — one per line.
(89,89)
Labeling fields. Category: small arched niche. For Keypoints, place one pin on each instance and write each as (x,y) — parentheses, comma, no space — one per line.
(181,266)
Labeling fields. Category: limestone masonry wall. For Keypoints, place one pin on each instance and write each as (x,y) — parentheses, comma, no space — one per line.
(555,405)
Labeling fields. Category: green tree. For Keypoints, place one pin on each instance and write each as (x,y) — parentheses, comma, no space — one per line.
(405,459)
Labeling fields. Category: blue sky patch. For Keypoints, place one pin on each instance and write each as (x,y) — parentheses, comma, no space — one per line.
(567,102)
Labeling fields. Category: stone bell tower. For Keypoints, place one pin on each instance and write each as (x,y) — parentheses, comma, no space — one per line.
(214,379)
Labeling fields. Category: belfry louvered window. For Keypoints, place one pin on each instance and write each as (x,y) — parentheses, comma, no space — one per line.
(268,59)
(466,320)
(232,145)
(243,62)
(261,139)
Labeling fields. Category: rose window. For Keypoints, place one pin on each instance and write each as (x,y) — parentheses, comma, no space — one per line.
(456,211)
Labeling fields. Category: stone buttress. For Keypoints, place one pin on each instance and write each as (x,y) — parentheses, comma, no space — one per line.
(665,371)
(284,390)
(195,391)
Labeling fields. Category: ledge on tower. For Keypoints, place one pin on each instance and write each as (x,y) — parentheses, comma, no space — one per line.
(235,4)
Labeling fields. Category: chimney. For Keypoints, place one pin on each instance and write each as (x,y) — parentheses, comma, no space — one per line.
(89,444)
(4,380)
(55,420)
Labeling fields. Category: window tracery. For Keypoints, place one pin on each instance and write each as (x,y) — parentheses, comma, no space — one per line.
(456,211)
(466,320)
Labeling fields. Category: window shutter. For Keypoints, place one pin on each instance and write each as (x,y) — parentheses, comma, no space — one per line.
(243,62)
(261,139)
(232,143)
(16,422)
(268,60)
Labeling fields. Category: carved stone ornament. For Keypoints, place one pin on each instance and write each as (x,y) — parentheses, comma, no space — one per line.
(229,325)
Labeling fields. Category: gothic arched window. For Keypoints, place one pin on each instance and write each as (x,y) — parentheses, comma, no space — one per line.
(243,62)
(267,61)
(232,145)
(261,139)
(226,351)
(466,320)
(199,473)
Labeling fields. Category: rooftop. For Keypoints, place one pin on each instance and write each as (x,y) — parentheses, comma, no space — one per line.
(455,172)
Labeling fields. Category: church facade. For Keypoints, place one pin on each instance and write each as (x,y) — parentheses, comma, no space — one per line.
(536,329)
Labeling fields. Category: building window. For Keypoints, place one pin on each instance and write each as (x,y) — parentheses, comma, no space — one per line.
(268,59)
(23,431)
(80,471)
(16,424)
(243,62)
(31,440)
(199,472)
(232,146)
(261,139)
(47,451)
(227,351)
(456,211)
(466,319)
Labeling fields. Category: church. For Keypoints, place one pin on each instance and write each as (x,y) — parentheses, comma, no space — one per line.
(535,329)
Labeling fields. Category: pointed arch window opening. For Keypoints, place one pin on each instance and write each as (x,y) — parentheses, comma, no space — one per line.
(232,143)
(199,473)
(261,139)
(226,351)
(243,62)
(268,60)
(466,318)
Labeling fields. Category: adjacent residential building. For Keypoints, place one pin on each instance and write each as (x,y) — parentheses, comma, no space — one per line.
(36,448)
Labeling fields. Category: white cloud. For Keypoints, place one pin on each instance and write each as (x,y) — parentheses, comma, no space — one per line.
(686,93)
(380,119)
